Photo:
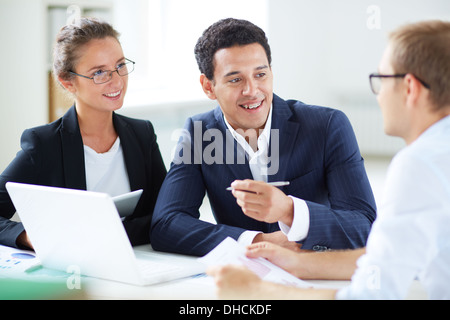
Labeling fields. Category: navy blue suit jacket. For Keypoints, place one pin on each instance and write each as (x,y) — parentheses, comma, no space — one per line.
(53,155)
(318,155)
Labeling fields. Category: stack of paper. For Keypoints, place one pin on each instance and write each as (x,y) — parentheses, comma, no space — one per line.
(229,252)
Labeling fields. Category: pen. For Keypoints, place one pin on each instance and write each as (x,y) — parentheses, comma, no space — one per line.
(275,184)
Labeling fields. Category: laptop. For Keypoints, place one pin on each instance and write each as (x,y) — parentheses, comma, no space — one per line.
(74,228)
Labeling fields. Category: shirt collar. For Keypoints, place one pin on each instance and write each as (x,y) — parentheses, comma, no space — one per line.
(263,139)
(436,128)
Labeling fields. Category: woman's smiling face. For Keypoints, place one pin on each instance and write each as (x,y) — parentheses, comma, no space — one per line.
(99,55)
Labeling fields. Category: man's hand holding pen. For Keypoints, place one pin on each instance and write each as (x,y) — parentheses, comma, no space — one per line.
(263,201)
(266,202)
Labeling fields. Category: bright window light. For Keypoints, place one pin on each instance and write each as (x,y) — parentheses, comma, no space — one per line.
(168,70)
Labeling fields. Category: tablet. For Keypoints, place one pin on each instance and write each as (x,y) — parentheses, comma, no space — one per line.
(126,203)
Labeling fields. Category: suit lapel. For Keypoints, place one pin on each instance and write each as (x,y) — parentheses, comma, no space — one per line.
(133,156)
(284,133)
(234,156)
(72,151)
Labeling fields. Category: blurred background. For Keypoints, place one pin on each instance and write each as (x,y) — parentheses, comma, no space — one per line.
(323,52)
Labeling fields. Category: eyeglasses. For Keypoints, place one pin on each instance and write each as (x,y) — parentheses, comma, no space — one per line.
(375,81)
(102,76)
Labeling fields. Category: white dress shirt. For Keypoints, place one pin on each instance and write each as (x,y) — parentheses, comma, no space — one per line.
(106,172)
(410,238)
(258,161)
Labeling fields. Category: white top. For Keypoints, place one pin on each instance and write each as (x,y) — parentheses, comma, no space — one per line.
(411,236)
(258,161)
(106,172)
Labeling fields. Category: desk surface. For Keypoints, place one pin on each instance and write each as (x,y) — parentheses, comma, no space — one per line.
(193,288)
(198,288)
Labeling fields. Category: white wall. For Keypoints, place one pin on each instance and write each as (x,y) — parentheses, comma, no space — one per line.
(323,52)
(23,85)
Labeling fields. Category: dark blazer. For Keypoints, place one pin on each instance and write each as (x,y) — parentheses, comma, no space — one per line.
(318,154)
(53,155)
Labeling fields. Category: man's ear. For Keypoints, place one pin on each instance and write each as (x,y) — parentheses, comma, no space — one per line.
(208,87)
(414,89)
(67,84)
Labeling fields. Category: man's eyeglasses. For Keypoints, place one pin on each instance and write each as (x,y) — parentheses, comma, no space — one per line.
(101,76)
(375,81)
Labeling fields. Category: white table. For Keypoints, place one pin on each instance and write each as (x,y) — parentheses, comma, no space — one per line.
(193,288)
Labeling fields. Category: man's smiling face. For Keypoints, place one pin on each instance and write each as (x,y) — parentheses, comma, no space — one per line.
(242,85)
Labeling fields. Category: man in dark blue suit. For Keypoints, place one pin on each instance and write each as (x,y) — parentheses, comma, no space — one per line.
(254,138)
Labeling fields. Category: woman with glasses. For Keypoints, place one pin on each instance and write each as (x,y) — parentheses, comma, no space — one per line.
(90,147)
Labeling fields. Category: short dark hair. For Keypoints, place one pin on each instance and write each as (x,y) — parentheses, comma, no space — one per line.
(223,34)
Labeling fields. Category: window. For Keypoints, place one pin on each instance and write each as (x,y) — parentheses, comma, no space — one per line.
(161,35)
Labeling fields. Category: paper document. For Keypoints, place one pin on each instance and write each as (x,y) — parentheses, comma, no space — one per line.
(229,252)
(17,261)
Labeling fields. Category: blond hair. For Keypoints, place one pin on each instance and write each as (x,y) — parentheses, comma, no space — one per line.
(423,49)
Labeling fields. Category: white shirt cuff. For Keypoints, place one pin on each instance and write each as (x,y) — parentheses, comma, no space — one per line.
(246,238)
(300,225)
